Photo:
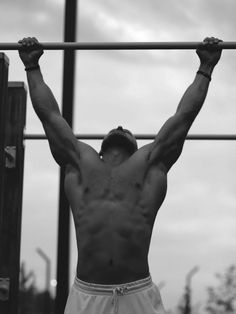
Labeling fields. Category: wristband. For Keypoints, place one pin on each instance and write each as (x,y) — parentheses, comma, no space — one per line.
(204,74)
(35,67)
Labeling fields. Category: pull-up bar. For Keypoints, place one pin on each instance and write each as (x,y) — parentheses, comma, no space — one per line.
(222,137)
(118,45)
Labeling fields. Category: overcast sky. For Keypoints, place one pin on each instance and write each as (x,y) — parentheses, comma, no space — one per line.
(139,90)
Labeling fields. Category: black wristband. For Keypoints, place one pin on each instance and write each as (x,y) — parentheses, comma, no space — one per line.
(35,67)
(204,74)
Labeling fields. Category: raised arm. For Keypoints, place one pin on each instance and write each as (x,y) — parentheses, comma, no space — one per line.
(168,144)
(63,144)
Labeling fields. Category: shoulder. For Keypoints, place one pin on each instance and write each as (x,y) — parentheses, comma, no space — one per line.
(144,152)
(142,155)
(87,153)
(86,149)
(82,153)
(145,156)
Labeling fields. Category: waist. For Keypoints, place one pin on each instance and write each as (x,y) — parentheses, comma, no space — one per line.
(124,288)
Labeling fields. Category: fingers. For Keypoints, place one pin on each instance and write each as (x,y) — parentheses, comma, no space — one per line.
(211,41)
(30,43)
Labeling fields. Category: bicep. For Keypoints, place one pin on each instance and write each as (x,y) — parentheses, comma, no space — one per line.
(63,143)
(169,141)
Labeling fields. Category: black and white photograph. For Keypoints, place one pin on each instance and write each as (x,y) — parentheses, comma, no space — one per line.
(117,157)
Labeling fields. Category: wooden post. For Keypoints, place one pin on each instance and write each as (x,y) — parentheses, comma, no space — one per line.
(4,62)
(13,164)
(4,275)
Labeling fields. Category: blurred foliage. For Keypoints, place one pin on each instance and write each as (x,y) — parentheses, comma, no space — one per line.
(32,301)
(222,298)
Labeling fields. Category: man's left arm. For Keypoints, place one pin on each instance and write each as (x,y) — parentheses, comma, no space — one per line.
(168,143)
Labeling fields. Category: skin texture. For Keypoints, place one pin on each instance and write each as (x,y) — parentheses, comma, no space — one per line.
(115,197)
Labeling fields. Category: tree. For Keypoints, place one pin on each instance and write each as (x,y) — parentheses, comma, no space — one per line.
(222,298)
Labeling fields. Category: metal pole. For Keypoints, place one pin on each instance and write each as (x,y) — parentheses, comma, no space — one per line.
(210,137)
(63,252)
(48,268)
(118,45)
(47,295)
(188,292)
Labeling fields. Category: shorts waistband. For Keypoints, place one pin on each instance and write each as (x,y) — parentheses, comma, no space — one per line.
(120,289)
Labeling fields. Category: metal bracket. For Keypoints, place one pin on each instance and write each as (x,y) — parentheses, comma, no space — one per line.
(4,289)
(10,161)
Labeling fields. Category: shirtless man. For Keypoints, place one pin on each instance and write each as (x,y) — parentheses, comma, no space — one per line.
(115,195)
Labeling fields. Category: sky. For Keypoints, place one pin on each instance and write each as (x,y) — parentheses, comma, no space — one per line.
(140,90)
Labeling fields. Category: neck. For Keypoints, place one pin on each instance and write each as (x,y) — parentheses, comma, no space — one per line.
(115,156)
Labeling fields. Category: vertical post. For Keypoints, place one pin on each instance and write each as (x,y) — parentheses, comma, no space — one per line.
(67,112)
(4,63)
(188,293)
(4,272)
(12,168)
(47,295)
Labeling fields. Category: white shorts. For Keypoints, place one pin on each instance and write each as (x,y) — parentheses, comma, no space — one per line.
(138,297)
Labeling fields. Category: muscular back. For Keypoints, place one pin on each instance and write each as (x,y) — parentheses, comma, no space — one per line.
(114,209)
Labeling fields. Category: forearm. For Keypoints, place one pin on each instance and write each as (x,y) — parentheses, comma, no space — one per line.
(194,97)
(41,96)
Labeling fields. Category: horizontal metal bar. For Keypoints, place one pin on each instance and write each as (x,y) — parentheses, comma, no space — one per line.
(118,45)
(222,137)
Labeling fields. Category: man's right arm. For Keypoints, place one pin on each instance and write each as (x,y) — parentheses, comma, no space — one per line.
(64,146)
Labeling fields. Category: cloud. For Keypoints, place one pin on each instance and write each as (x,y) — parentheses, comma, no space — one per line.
(217,16)
(154,20)
(35,18)
(142,15)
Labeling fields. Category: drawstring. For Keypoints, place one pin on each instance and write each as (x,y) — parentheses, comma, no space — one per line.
(117,291)
(112,290)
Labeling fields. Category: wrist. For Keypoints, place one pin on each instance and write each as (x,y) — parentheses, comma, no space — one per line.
(208,76)
(29,64)
(207,68)
(32,68)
